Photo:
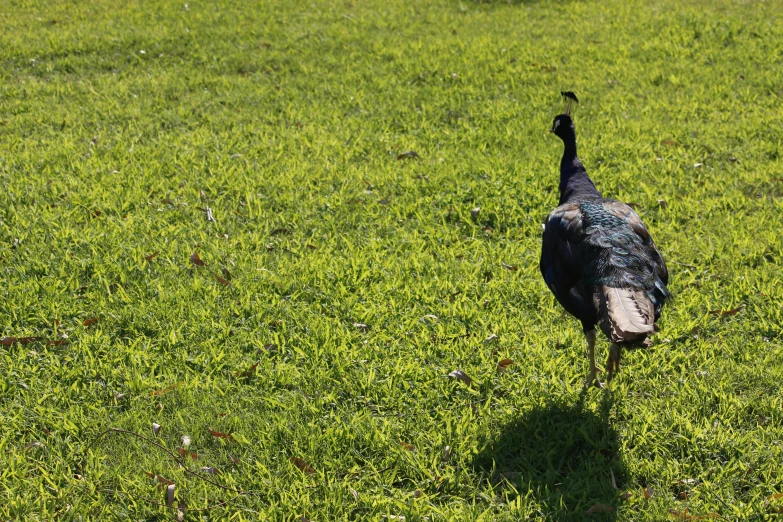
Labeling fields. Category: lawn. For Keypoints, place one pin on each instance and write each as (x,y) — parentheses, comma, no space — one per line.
(273,230)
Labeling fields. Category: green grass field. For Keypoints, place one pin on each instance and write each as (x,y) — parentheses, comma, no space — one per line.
(359,281)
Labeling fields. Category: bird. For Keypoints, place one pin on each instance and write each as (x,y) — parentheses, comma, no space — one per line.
(599,259)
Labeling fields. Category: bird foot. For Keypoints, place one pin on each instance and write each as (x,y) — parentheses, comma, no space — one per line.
(613,361)
(593,380)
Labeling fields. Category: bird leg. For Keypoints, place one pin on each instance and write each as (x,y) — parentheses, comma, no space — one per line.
(613,361)
(592,376)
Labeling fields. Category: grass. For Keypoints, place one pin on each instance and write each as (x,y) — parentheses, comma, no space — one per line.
(121,124)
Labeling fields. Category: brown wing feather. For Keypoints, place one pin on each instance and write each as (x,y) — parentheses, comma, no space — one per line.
(629,215)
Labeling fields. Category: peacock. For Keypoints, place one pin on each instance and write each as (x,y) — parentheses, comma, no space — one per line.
(599,259)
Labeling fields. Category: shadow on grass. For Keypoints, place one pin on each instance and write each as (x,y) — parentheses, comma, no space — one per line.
(559,456)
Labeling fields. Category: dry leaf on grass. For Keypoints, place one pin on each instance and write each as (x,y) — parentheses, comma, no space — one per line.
(222,281)
(247,372)
(303,466)
(196,260)
(504,364)
(408,155)
(185,453)
(513,268)
(152,256)
(724,313)
(461,376)
(407,446)
(600,508)
(773,498)
(8,341)
(220,435)
(91,320)
(158,478)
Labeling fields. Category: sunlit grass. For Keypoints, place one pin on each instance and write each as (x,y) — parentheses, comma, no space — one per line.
(359,281)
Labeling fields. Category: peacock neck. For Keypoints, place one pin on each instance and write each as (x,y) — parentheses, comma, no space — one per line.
(575,184)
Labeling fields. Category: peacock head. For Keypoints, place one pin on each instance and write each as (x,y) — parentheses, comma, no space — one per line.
(563,127)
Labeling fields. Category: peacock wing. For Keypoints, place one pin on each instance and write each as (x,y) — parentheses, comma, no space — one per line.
(629,215)
(561,252)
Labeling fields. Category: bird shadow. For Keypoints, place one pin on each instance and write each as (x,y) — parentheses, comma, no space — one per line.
(563,459)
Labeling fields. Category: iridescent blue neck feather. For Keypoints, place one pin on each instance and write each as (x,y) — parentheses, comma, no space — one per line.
(575,184)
